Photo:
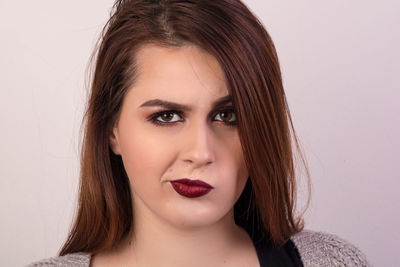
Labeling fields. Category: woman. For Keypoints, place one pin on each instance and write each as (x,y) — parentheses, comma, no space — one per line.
(187,156)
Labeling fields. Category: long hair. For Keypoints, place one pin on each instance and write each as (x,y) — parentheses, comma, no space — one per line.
(229,31)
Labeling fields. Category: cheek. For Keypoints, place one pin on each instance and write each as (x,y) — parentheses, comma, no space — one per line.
(242,172)
(143,155)
(234,168)
(238,155)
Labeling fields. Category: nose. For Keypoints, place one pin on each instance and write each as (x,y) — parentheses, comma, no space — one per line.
(197,144)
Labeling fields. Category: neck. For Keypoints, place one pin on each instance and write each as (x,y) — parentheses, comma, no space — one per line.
(157,243)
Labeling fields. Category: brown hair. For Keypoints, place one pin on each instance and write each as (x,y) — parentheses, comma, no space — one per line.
(235,37)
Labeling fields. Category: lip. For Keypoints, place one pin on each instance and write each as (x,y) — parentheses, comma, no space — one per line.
(191,188)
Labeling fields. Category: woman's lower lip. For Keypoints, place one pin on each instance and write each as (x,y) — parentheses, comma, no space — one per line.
(190,191)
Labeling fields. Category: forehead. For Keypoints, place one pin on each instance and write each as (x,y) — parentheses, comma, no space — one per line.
(178,71)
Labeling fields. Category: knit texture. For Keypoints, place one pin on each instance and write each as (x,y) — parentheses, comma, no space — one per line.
(79,259)
(315,249)
(323,249)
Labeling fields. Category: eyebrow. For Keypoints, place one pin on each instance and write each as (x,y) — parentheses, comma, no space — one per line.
(176,106)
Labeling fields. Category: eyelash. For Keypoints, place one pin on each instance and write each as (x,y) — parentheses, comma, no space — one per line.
(153,117)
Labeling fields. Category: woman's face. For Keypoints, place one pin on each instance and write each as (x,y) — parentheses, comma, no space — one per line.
(199,142)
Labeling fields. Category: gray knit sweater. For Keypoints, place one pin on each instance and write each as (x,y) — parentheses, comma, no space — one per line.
(315,248)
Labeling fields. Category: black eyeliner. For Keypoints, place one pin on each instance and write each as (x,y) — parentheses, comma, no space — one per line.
(153,117)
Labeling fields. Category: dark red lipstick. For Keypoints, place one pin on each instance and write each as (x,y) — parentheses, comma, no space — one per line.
(191,188)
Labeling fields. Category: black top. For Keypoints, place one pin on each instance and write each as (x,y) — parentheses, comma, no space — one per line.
(250,220)
(287,255)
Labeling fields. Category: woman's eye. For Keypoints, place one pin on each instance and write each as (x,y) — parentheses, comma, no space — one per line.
(166,118)
(227,116)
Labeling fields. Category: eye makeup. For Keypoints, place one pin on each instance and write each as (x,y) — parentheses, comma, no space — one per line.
(153,118)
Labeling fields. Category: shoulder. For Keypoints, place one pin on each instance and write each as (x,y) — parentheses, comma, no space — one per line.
(79,259)
(323,249)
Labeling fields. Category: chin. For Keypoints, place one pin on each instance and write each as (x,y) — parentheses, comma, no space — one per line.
(192,220)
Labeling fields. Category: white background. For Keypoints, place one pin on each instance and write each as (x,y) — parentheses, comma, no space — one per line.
(340,64)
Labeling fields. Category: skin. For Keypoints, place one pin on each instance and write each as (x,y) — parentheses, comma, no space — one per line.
(170,229)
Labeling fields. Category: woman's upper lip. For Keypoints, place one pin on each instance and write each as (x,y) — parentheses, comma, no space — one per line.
(193,182)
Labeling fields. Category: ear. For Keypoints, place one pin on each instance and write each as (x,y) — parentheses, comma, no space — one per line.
(114,142)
